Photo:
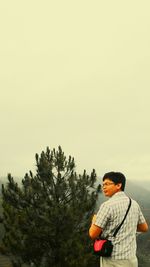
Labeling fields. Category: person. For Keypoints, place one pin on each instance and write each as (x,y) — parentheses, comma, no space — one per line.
(109,217)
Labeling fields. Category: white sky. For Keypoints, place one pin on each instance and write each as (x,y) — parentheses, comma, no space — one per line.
(75,74)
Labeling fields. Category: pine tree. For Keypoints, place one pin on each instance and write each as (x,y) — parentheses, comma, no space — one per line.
(46,219)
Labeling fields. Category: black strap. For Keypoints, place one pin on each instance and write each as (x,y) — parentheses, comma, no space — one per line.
(116,231)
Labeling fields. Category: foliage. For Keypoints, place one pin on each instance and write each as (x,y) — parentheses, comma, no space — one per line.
(46,219)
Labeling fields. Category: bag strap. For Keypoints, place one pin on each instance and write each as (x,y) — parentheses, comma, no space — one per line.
(118,228)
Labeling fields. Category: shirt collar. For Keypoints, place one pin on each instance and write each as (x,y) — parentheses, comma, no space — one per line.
(119,194)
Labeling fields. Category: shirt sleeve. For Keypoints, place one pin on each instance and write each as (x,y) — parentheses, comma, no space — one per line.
(103,216)
(141,217)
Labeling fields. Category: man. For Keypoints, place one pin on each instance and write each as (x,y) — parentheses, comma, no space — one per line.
(109,217)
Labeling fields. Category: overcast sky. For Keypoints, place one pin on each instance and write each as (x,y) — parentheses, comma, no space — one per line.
(75,74)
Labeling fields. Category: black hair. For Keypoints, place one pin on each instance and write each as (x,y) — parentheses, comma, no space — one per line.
(116,177)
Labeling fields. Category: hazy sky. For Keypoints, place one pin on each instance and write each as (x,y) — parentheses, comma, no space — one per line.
(75,74)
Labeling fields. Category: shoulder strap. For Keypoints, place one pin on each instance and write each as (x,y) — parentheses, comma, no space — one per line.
(118,228)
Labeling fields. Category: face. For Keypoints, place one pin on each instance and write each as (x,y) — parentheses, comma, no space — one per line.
(110,188)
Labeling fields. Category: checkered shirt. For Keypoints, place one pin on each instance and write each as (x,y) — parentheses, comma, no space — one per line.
(109,217)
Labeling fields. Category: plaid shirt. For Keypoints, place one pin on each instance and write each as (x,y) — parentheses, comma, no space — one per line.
(110,215)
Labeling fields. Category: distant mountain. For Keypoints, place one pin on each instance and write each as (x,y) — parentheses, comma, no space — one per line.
(139,193)
(143,184)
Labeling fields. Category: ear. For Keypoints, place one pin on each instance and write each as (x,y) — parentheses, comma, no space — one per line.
(119,186)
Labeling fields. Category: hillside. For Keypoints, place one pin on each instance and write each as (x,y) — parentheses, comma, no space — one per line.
(143,184)
(139,193)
